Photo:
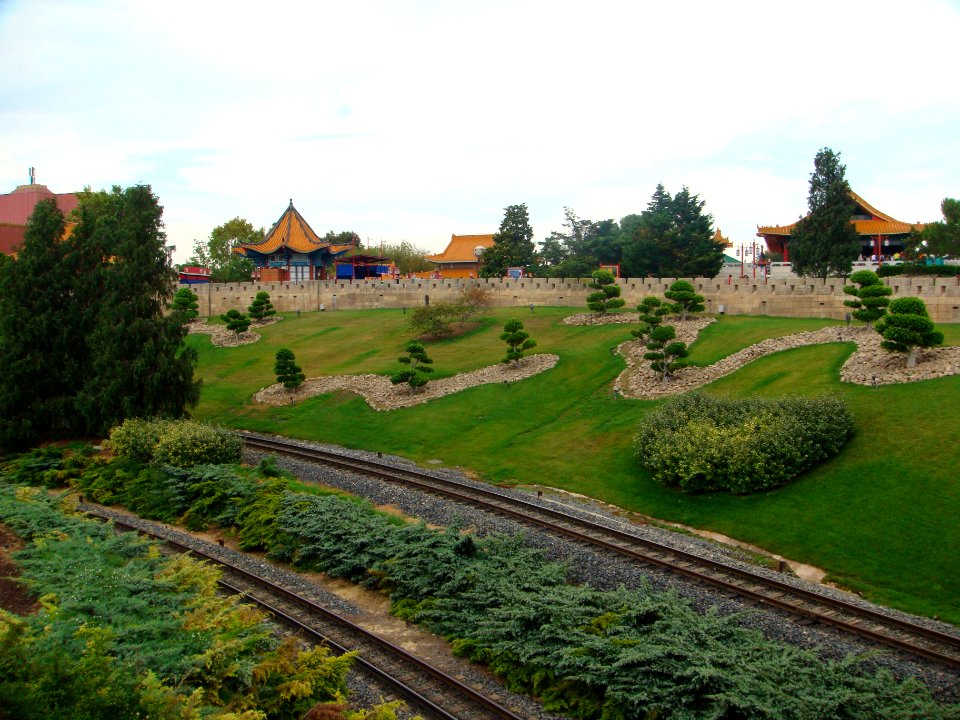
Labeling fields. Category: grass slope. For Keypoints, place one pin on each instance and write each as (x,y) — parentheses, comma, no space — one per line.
(880,517)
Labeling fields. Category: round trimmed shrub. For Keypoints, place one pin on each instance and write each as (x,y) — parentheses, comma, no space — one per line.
(701,443)
(181,443)
(137,437)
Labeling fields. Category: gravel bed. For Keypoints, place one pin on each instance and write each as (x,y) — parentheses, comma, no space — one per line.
(605,570)
(365,691)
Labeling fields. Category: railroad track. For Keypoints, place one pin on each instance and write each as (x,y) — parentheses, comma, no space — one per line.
(430,691)
(812,607)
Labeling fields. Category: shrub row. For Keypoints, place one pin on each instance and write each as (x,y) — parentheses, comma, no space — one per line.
(182,443)
(585,652)
(700,442)
(918,269)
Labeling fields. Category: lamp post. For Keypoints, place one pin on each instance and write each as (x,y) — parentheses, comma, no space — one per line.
(478,252)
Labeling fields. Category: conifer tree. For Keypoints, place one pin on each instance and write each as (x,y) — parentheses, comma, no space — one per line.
(261,307)
(907,327)
(666,356)
(685,298)
(286,369)
(518,340)
(651,311)
(185,304)
(416,362)
(607,296)
(825,242)
(236,321)
(872,296)
(512,244)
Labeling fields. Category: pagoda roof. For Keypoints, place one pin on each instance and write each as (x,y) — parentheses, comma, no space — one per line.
(461,249)
(293,232)
(877,223)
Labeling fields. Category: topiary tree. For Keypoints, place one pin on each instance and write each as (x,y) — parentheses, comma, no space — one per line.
(651,311)
(286,369)
(607,296)
(185,304)
(236,321)
(518,340)
(417,362)
(685,298)
(872,296)
(261,307)
(666,356)
(906,328)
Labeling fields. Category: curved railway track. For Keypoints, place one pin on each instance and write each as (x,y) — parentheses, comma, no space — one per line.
(430,690)
(863,622)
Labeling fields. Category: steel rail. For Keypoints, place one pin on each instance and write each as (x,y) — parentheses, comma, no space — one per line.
(398,654)
(758,588)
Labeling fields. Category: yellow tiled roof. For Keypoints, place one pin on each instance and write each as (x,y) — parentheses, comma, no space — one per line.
(461,248)
(291,231)
(880,224)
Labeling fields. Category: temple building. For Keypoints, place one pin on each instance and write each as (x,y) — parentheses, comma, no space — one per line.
(461,259)
(292,251)
(880,234)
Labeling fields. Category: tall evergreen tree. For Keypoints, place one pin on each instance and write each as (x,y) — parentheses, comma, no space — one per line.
(825,242)
(673,237)
(512,244)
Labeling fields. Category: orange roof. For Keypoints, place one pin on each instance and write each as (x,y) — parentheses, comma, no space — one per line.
(291,231)
(878,224)
(461,248)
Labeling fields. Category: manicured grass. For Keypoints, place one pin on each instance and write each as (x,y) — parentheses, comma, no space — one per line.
(880,517)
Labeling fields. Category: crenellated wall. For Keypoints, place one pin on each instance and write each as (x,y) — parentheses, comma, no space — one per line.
(787,297)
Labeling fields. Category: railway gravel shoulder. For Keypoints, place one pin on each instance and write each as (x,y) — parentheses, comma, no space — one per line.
(605,570)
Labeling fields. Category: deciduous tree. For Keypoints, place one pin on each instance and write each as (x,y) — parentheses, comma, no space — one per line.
(825,242)
(512,244)
(943,238)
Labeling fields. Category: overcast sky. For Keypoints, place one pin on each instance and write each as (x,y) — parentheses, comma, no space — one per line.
(415,120)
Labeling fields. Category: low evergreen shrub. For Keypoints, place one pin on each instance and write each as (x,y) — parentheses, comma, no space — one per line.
(702,443)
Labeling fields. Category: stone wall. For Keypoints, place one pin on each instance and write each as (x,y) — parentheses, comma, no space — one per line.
(786,297)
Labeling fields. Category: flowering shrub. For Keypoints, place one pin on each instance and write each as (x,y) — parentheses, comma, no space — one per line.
(181,443)
(702,443)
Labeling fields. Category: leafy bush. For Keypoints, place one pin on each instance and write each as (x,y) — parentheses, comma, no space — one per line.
(434,320)
(181,443)
(701,443)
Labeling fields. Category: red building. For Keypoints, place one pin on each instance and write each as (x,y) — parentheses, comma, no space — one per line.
(879,233)
(17,207)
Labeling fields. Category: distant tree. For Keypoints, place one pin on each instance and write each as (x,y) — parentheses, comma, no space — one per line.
(685,298)
(236,321)
(261,307)
(346,237)
(666,356)
(943,238)
(607,295)
(825,242)
(286,369)
(518,340)
(417,365)
(512,244)
(871,296)
(473,301)
(578,250)
(217,252)
(186,304)
(907,327)
(406,256)
(673,237)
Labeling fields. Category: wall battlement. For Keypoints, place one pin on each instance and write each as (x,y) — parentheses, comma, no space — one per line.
(784,297)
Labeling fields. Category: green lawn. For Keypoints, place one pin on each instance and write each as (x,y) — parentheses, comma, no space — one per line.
(881,517)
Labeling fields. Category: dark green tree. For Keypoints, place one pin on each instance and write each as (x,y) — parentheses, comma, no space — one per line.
(417,366)
(907,327)
(872,296)
(286,369)
(943,238)
(825,242)
(185,304)
(217,252)
(518,340)
(665,356)
(673,237)
(261,307)
(651,310)
(685,298)
(607,295)
(512,244)
(576,251)
(236,321)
